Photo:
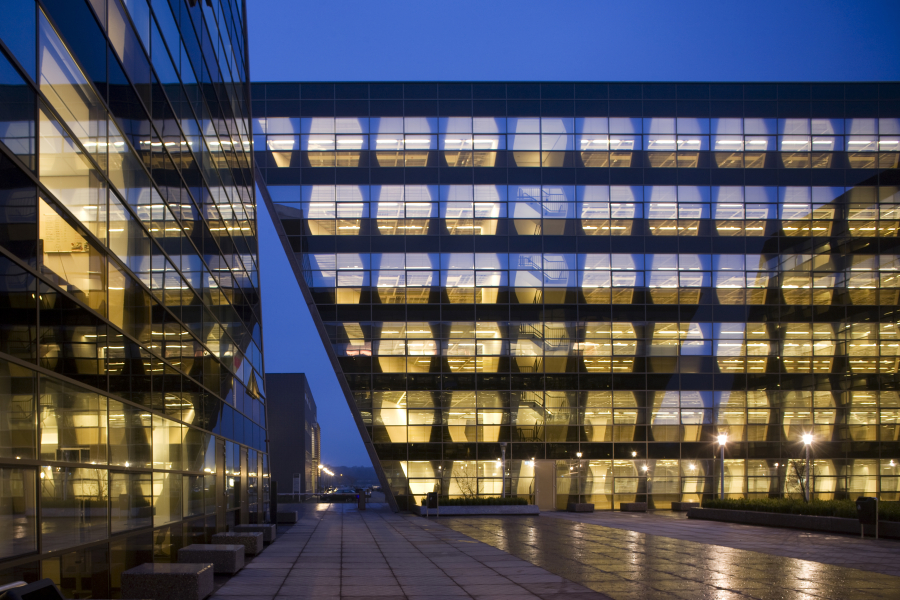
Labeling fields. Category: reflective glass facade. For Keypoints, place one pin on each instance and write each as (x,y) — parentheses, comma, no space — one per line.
(623,271)
(132,415)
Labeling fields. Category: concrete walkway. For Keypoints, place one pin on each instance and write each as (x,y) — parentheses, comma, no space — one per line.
(869,554)
(337,552)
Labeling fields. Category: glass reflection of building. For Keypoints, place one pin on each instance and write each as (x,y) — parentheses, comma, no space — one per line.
(131,402)
(621,270)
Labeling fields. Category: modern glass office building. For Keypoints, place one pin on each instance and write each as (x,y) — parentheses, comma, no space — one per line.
(131,397)
(599,279)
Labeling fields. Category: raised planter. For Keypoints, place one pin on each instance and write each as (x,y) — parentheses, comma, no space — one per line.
(633,507)
(684,506)
(888,529)
(460,511)
(580,507)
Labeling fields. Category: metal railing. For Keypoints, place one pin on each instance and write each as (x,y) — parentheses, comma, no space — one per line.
(314,498)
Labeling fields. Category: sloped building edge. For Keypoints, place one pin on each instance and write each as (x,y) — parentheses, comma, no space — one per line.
(332,356)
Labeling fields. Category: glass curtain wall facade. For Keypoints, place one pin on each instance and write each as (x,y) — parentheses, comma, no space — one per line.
(132,416)
(623,271)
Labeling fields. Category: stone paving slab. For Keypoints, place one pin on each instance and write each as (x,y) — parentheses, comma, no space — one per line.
(380,554)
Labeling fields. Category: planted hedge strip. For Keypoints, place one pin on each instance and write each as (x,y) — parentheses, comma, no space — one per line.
(446,501)
(887,511)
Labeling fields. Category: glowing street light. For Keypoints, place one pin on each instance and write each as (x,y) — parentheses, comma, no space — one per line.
(807,441)
(723,439)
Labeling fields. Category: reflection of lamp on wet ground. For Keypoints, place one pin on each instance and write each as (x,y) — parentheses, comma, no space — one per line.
(723,439)
(807,441)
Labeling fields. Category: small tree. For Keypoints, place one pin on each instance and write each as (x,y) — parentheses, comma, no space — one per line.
(466,480)
(795,477)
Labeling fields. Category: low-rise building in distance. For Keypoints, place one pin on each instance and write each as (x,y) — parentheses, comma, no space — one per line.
(295,436)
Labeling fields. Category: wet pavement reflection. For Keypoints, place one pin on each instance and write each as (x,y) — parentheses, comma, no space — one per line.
(335,551)
(869,554)
(628,565)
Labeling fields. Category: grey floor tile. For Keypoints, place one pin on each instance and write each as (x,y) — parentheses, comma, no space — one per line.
(368,581)
(247,590)
(359,591)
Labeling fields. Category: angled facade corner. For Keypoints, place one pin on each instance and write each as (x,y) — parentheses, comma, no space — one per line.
(299,267)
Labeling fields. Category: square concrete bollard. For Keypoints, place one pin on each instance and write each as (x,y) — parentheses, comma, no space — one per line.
(251,541)
(580,507)
(633,507)
(684,506)
(268,531)
(288,516)
(226,558)
(169,581)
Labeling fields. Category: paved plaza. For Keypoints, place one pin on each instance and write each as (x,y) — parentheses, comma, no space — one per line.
(881,556)
(336,551)
(628,564)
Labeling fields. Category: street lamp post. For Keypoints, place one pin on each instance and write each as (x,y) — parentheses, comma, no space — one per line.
(579,455)
(723,439)
(807,441)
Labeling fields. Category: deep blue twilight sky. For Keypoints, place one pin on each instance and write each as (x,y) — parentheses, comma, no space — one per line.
(570,40)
